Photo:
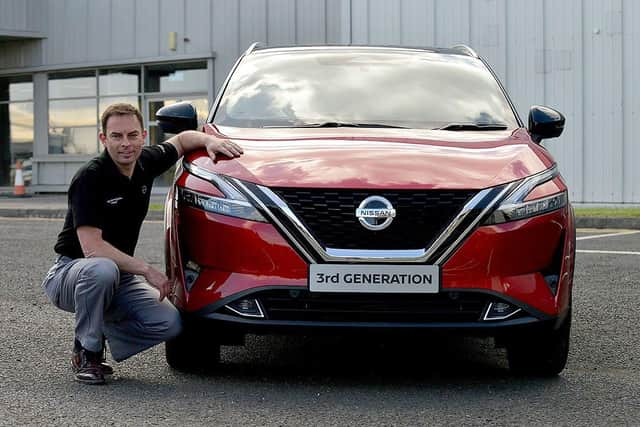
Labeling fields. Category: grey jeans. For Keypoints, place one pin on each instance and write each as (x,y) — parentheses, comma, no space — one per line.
(106,302)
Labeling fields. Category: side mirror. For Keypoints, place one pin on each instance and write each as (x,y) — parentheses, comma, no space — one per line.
(545,122)
(178,117)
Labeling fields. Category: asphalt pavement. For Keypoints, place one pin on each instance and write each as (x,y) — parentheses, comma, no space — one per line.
(313,381)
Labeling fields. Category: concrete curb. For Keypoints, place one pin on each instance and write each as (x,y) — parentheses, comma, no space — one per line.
(32,213)
(581,222)
(607,222)
(59,213)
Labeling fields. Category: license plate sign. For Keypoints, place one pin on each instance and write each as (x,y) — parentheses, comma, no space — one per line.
(374,278)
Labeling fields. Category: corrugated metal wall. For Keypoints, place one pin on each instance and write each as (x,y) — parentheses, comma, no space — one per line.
(20,16)
(21,19)
(579,56)
(83,31)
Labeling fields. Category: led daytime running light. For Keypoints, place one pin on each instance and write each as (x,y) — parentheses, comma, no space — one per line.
(513,207)
(228,207)
(528,184)
(514,212)
(220,182)
(234,203)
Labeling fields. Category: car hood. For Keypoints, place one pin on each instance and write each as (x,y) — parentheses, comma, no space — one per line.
(379,158)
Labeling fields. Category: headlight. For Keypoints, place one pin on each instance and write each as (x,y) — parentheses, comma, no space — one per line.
(234,203)
(513,207)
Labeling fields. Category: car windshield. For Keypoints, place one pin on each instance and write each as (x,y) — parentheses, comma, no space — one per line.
(363,88)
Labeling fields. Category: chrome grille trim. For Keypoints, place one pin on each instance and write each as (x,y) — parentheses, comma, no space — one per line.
(282,205)
(268,214)
(367,254)
(506,190)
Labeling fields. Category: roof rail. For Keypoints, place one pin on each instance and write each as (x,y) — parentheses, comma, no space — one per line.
(465,50)
(253,47)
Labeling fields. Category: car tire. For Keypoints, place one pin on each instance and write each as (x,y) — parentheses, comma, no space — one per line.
(543,353)
(192,351)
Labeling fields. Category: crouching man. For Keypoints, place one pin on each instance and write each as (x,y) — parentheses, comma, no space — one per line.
(96,275)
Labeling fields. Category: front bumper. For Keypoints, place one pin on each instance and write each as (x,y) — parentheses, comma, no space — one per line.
(229,329)
(509,260)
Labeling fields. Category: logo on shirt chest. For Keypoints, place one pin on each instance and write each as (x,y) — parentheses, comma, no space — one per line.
(114,201)
(143,189)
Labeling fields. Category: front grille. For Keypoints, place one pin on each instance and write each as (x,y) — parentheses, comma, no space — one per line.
(330,216)
(302,305)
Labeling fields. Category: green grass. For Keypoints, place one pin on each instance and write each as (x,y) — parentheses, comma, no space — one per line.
(156,207)
(608,212)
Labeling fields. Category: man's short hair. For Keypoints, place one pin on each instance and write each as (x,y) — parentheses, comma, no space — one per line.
(120,109)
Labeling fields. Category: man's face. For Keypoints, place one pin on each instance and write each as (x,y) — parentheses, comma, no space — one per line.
(124,139)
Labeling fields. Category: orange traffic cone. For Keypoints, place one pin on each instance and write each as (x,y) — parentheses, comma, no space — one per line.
(18,186)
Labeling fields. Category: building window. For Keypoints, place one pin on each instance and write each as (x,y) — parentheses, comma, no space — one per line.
(73,110)
(72,85)
(16,127)
(120,81)
(17,88)
(77,99)
(72,126)
(174,78)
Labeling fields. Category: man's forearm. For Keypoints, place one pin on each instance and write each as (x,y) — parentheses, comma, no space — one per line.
(124,262)
(214,144)
(188,141)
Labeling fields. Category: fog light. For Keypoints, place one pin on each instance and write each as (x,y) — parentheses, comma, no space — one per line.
(191,273)
(246,307)
(500,311)
(552,281)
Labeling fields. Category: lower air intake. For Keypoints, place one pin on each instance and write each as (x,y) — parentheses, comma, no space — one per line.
(302,305)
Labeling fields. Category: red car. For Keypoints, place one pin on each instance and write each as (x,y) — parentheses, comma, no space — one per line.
(381,189)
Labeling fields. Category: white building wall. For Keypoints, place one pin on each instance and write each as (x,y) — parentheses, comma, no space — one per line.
(579,56)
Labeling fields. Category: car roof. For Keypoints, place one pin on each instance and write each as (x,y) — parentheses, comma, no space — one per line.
(454,50)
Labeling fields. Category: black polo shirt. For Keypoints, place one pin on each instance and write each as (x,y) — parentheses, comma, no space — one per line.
(101,196)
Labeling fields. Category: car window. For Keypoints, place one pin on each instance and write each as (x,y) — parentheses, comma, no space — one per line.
(413,89)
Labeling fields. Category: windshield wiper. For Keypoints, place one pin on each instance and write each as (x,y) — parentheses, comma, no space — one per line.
(345,124)
(474,126)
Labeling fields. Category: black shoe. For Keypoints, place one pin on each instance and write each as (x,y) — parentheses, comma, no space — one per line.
(87,368)
(107,370)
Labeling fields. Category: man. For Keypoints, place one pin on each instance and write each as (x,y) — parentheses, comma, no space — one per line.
(96,275)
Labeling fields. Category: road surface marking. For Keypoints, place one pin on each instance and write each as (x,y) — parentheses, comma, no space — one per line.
(586,251)
(599,236)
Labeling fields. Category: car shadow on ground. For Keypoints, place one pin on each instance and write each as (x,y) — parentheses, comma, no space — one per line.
(348,360)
